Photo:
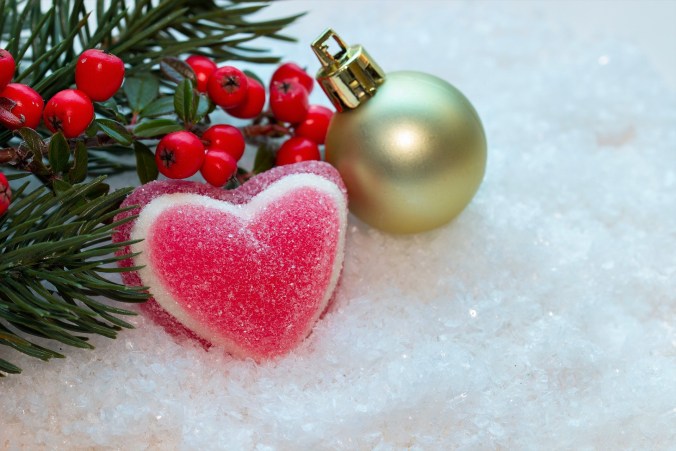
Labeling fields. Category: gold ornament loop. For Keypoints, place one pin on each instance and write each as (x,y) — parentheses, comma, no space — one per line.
(350,76)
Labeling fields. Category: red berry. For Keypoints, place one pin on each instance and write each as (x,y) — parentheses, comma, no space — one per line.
(25,103)
(297,149)
(7,67)
(225,137)
(218,167)
(69,111)
(179,154)
(292,71)
(315,124)
(253,103)
(289,101)
(99,74)
(203,68)
(5,194)
(227,86)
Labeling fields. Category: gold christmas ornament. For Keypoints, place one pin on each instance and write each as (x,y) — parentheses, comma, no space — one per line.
(409,146)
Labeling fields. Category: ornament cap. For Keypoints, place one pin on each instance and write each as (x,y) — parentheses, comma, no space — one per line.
(349,77)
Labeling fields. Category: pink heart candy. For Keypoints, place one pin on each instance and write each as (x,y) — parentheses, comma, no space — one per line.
(249,269)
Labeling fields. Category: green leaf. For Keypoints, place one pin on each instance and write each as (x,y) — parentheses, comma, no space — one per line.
(176,70)
(234,182)
(110,109)
(265,159)
(185,102)
(78,171)
(141,90)
(156,127)
(159,107)
(7,367)
(59,152)
(146,168)
(33,141)
(92,130)
(204,107)
(61,186)
(98,190)
(110,105)
(115,130)
(18,176)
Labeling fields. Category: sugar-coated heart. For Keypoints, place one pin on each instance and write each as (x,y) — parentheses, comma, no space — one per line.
(250,269)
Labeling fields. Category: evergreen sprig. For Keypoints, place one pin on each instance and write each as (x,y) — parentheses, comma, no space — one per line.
(56,252)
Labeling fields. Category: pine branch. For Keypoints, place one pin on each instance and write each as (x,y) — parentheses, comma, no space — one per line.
(56,251)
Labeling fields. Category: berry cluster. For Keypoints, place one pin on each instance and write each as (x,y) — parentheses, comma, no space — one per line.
(98,76)
(240,95)
(290,88)
(215,155)
(243,97)
(181,154)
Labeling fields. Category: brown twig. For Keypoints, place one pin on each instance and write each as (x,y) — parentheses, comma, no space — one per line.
(8,155)
(265,130)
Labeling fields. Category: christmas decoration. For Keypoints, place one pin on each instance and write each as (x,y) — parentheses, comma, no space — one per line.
(410,147)
(55,249)
(249,269)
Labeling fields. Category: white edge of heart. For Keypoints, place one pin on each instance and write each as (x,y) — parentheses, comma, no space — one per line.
(274,191)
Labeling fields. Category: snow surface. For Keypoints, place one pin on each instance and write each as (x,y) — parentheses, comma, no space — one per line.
(542,318)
